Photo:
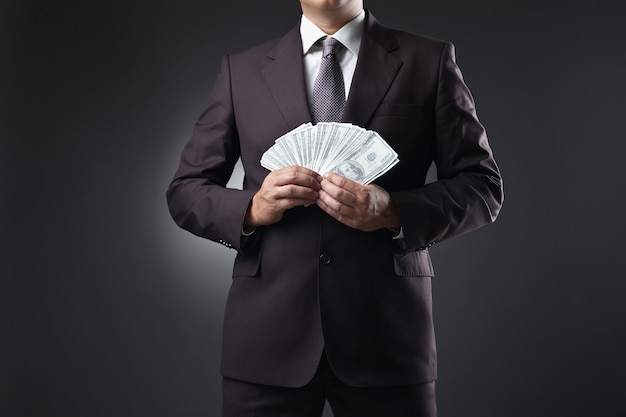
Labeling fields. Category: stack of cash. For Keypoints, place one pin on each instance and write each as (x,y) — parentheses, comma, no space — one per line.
(349,150)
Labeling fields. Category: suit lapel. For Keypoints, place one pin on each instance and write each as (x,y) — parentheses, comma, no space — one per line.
(284,74)
(375,71)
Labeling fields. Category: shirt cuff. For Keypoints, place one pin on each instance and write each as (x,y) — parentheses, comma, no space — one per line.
(397,233)
(247,231)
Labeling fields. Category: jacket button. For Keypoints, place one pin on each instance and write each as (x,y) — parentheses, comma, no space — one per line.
(325,259)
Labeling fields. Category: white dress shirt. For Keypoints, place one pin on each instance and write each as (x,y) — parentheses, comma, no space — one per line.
(350,37)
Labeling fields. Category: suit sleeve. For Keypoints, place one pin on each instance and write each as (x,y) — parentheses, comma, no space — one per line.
(197,197)
(468,193)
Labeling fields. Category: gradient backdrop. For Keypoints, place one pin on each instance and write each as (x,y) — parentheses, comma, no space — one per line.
(108,309)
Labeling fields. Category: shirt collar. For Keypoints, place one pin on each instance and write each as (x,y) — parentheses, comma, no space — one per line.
(349,35)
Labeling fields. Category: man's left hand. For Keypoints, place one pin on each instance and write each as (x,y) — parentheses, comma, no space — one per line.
(362,207)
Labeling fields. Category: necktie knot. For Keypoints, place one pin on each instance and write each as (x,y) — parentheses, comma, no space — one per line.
(330,45)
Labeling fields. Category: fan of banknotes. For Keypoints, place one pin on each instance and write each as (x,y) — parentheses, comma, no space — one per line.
(349,150)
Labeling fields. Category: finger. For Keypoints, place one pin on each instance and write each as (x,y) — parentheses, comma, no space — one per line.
(287,203)
(328,204)
(339,193)
(293,191)
(335,209)
(342,182)
(333,206)
(297,175)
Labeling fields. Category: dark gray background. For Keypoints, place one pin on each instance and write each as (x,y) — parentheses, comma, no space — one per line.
(110,310)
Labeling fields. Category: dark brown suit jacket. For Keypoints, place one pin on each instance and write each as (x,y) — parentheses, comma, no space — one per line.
(308,282)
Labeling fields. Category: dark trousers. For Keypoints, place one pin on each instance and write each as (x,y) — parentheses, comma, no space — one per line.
(244,399)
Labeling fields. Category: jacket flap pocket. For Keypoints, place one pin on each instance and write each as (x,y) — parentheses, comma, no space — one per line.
(247,265)
(416,264)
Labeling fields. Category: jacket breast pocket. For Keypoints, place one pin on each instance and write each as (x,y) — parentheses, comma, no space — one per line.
(417,264)
(398,110)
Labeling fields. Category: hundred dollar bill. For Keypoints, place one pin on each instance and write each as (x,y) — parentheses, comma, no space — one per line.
(367,163)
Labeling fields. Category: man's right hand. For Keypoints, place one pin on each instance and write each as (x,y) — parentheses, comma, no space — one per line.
(281,190)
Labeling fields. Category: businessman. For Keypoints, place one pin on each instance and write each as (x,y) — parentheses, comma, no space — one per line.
(331,291)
